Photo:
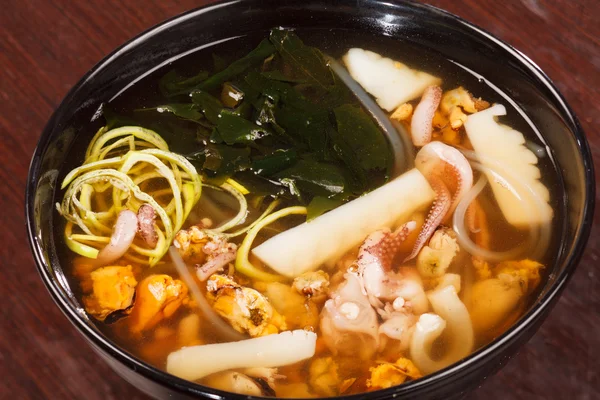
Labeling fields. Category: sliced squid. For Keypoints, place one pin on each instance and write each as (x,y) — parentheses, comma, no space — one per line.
(502,149)
(275,350)
(390,82)
(451,319)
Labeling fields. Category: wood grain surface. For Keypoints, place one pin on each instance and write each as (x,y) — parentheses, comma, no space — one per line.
(46,46)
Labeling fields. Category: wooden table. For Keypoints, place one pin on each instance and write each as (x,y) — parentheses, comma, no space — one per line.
(46,46)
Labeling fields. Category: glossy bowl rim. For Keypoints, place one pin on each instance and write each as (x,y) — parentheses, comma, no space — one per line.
(185,387)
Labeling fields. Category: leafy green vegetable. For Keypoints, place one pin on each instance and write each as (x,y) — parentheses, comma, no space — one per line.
(235,129)
(223,160)
(314,177)
(320,205)
(209,105)
(261,186)
(307,62)
(274,162)
(347,155)
(277,75)
(280,123)
(282,91)
(182,110)
(290,184)
(256,56)
(172,83)
(309,126)
(265,113)
(363,136)
(265,116)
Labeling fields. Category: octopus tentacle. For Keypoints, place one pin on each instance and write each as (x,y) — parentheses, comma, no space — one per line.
(450,165)
(438,211)
(422,120)
(442,165)
(375,258)
(382,246)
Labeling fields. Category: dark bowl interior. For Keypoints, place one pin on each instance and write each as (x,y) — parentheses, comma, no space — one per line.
(505,68)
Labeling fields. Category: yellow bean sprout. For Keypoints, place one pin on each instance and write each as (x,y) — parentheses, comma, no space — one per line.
(136,164)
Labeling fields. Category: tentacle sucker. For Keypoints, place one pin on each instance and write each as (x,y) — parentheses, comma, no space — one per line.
(439,209)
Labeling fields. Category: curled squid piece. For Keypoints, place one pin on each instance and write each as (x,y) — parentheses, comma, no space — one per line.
(348,322)
(157,298)
(397,328)
(422,119)
(451,319)
(380,282)
(219,253)
(146,216)
(246,309)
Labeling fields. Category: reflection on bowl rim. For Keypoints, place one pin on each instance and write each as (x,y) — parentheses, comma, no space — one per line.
(182,386)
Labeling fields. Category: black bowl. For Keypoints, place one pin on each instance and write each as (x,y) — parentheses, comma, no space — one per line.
(507,68)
